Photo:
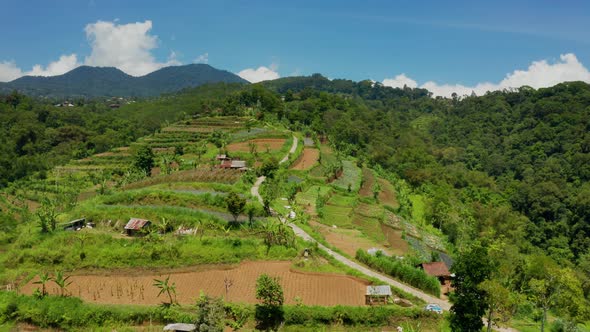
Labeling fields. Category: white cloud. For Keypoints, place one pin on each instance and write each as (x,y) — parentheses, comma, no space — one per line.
(399,81)
(9,71)
(125,46)
(539,74)
(260,74)
(61,66)
(203,58)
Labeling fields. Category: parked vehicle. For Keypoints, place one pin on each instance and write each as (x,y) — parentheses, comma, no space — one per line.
(434,308)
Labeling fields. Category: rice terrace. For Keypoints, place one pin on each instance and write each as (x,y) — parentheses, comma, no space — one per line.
(174,222)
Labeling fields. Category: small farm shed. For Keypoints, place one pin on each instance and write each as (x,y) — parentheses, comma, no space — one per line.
(225,163)
(136,225)
(439,270)
(378,294)
(239,164)
(180,327)
(74,224)
(222,157)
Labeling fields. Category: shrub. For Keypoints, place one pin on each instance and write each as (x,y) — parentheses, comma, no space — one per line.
(401,271)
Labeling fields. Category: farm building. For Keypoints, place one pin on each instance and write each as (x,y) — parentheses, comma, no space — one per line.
(74,224)
(378,294)
(238,164)
(222,157)
(439,270)
(135,226)
(233,164)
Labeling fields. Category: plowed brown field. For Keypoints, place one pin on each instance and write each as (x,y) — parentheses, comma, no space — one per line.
(128,288)
(307,160)
(261,144)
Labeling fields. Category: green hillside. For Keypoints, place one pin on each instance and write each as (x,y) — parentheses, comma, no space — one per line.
(498,184)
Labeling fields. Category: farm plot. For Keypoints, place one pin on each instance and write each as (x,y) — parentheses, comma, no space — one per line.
(350,178)
(387,195)
(262,145)
(307,160)
(195,175)
(368,182)
(336,215)
(136,287)
(397,245)
(308,198)
(350,240)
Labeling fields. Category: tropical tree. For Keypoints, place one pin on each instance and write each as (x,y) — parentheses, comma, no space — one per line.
(235,204)
(144,159)
(200,149)
(498,301)
(269,167)
(251,210)
(210,314)
(277,233)
(44,278)
(269,290)
(47,216)
(165,286)
(469,301)
(62,281)
(269,314)
(166,163)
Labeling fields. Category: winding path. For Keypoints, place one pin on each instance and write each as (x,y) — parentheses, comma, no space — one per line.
(444,304)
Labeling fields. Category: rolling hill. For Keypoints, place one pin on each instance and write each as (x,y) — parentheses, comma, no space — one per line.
(86,81)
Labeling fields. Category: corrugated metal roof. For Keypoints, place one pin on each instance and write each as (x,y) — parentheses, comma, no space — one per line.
(238,163)
(136,223)
(379,290)
(436,269)
(180,327)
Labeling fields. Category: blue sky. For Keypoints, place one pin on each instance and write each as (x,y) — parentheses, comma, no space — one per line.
(456,43)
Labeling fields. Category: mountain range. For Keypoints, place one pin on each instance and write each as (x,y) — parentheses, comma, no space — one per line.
(86,81)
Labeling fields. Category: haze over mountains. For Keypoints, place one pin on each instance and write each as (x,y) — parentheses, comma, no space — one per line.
(86,81)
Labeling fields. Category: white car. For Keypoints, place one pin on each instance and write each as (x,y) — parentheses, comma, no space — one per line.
(434,308)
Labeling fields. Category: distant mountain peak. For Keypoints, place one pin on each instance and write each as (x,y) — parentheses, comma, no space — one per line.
(88,81)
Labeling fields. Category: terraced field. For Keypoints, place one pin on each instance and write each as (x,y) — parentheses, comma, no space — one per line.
(135,287)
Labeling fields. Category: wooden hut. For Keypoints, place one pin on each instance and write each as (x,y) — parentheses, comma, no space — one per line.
(378,294)
(136,226)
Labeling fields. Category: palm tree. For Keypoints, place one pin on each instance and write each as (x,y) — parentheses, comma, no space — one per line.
(62,282)
(44,278)
(165,287)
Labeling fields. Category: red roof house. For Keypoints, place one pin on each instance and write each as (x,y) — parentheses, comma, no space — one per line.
(136,225)
(436,269)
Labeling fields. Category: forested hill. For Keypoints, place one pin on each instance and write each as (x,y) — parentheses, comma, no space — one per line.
(366,89)
(88,81)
